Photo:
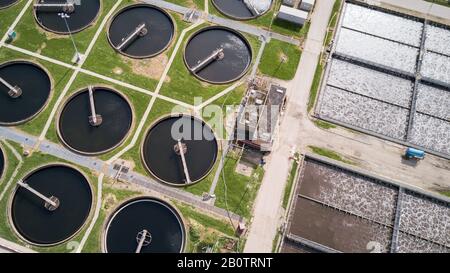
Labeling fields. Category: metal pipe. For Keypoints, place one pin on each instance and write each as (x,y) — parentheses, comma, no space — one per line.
(14,91)
(216,55)
(51,203)
(144,239)
(94,119)
(182,150)
(140,31)
(67,8)
(251,8)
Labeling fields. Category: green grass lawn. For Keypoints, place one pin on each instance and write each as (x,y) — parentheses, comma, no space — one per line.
(330,154)
(280,60)
(290,181)
(11,164)
(32,37)
(8,15)
(144,73)
(205,231)
(111,198)
(440,2)
(315,86)
(324,124)
(183,86)
(240,190)
(446,193)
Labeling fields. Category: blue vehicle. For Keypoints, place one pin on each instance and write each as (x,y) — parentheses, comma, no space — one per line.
(415,154)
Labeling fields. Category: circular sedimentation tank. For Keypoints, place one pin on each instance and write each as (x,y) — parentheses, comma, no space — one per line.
(145,225)
(79,131)
(218,55)
(24,91)
(2,162)
(7,3)
(141,31)
(161,151)
(37,221)
(78,16)
(243,9)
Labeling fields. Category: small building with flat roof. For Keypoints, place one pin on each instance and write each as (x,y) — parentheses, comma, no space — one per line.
(307,5)
(292,15)
(258,123)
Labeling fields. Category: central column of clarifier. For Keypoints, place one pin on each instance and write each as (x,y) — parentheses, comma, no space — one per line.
(51,203)
(94,119)
(140,31)
(144,238)
(216,55)
(67,7)
(14,91)
(181,149)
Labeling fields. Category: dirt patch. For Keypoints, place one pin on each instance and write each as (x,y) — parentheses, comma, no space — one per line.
(283,57)
(43,46)
(109,201)
(189,4)
(117,70)
(152,68)
(244,168)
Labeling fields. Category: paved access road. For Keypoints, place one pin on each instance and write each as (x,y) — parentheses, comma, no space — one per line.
(297,132)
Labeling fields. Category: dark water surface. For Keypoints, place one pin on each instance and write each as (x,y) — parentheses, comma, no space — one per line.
(160,219)
(41,226)
(81,18)
(161,159)
(234,8)
(2,163)
(7,3)
(80,135)
(158,24)
(237,51)
(35,85)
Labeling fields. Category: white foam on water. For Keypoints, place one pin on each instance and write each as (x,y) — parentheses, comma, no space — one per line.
(357,195)
(377,50)
(433,101)
(365,113)
(412,244)
(436,66)
(383,24)
(371,83)
(438,39)
(426,219)
(431,133)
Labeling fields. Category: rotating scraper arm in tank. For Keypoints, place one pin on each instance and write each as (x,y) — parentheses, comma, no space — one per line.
(141,30)
(181,149)
(94,118)
(251,7)
(68,7)
(144,238)
(216,55)
(51,203)
(14,91)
